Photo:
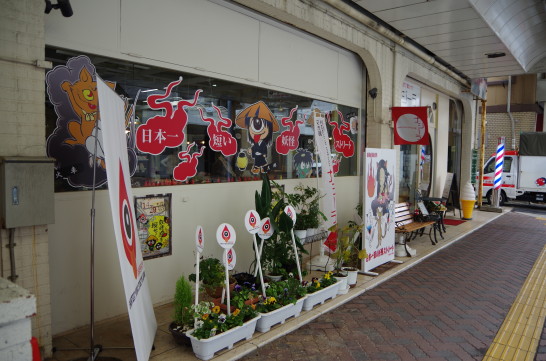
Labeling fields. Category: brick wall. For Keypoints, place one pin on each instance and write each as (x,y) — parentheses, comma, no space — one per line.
(499,125)
(23,134)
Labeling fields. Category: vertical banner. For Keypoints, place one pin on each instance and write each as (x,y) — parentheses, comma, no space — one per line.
(328,185)
(380,178)
(137,293)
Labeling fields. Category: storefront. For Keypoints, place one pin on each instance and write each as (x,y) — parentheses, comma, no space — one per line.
(239,62)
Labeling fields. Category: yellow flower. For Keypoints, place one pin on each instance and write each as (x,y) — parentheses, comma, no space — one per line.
(216,309)
(327,276)
(236,312)
(317,284)
(272,300)
(205,316)
(253,306)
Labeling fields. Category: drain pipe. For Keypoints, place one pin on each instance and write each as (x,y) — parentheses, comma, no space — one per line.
(512,120)
(389,34)
(11,245)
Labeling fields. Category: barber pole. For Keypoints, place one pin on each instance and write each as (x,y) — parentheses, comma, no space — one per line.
(499,163)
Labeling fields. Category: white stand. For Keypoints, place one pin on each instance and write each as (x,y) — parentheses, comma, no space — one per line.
(321,262)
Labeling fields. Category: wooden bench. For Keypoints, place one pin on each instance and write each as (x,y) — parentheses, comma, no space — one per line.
(403,218)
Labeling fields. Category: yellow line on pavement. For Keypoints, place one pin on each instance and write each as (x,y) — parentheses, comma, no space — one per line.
(519,334)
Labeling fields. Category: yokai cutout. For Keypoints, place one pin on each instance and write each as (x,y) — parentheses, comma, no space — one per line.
(166,130)
(72,90)
(260,124)
(342,142)
(220,140)
(187,168)
(289,139)
(303,163)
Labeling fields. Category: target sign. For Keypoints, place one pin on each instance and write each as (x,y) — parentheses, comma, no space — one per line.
(252,221)
(199,239)
(225,235)
(290,212)
(266,229)
(231,257)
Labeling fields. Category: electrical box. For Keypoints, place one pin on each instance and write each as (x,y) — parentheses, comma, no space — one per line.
(26,191)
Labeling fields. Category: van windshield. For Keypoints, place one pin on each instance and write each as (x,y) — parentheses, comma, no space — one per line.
(490,166)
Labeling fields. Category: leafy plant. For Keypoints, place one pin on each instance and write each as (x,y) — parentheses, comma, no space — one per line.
(347,246)
(306,201)
(280,294)
(210,321)
(317,284)
(182,304)
(211,273)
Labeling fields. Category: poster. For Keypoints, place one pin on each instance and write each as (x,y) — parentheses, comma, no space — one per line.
(153,214)
(380,178)
(135,283)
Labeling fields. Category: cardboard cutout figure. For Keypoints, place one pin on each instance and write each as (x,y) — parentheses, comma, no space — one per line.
(303,163)
(342,142)
(260,124)
(72,90)
(187,168)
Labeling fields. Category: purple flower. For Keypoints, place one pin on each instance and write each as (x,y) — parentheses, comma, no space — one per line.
(238,288)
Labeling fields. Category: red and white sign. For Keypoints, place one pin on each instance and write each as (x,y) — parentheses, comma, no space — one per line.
(290,212)
(225,235)
(266,229)
(199,239)
(289,139)
(410,125)
(231,257)
(252,221)
(137,293)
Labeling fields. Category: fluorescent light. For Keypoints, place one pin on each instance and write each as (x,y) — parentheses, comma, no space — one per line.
(148,90)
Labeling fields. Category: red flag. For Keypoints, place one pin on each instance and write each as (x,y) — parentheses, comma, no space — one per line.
(410,125)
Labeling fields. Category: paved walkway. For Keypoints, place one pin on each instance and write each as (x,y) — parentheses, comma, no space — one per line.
(448,307)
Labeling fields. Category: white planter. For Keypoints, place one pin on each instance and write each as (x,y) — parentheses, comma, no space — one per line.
(279,316)
(343,285)
(352,274)
(320,296)
(205,349)
(301,234)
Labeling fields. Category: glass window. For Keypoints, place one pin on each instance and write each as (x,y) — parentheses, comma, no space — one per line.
(205,139)
(490,166)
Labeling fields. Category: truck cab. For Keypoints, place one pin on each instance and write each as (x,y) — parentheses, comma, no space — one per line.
(509,177)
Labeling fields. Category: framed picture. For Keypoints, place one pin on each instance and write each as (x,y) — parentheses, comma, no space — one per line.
(153,213)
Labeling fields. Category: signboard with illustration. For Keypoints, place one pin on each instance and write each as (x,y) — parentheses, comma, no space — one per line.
(378,212)
(153,215)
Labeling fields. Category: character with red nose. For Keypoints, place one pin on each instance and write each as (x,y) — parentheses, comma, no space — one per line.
(261,124)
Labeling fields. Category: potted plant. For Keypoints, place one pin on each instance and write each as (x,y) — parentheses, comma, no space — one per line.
(214,330)
(320,289)
(348,250)
(212,276)
(277,256)
(284,299)
(183,316)
(306,200)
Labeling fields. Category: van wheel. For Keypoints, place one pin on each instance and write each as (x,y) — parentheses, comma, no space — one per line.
(502,199)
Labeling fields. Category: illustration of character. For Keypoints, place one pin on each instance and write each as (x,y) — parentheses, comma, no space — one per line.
(303,163)
(260,124)
(72,91)
(381,204)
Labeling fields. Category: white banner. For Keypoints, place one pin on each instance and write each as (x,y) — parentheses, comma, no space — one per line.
(328,186)
(137,293)
(378,212)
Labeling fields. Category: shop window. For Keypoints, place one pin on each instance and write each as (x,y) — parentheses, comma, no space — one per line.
(218,99)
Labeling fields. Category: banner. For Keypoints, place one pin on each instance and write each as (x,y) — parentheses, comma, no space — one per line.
(410,125)
(137,293)
(378,212)
(328,186)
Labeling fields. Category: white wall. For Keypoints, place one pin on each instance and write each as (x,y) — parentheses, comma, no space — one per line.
(202,37)
(207,205)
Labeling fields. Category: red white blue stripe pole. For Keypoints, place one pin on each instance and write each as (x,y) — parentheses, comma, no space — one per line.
(499,163)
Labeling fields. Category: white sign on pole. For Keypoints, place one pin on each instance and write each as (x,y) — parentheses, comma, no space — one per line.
(252,221)
(231,257)
(225,235)
(378,211)
(137,293)
(199,245)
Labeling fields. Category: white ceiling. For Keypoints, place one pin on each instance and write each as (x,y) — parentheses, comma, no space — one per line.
(462,32)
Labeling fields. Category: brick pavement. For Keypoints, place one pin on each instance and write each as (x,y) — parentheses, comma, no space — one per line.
(448,307)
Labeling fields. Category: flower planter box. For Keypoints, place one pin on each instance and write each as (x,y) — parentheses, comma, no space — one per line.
(320,296)
(279,316)
(205,349)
